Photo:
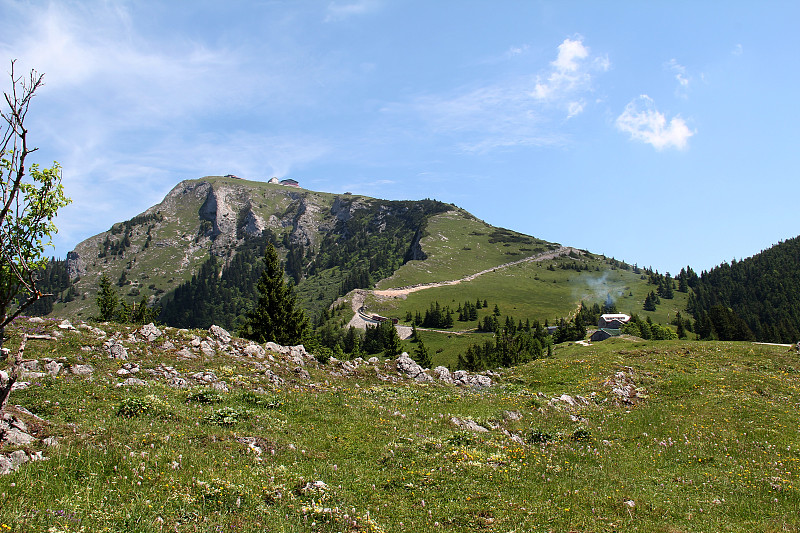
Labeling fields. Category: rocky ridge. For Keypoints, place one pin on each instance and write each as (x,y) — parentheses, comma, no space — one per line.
(136,350)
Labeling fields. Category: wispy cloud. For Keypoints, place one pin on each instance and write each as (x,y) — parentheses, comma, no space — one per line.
(516,50)
(681,77)
(342,10)
(509,113)
(124,112)
(644,123)
(495,116)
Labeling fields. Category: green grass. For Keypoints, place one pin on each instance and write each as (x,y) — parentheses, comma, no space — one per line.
(529,291)
(457,245)
(713,447)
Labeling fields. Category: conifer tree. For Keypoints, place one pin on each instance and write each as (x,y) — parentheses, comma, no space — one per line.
(421,355)
(391,340)
(276,317)
(107,299)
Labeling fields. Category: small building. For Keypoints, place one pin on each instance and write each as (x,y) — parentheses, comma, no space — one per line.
(603,334)
(613,321)
(233,176)
(288,182)
(274,181)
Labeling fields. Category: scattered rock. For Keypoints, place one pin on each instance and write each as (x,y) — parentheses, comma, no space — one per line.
(314,486)
(53,368)
(6,467)
(624,389)
(185,353)
(30,365)
(410,368)
(274,378)
(301,372)
(207,349)
(478,381)
(51,442)
(132,382)
(65,324)
(115,349)
(97,331)
(443,374)
(567,399)
(220,334)
(18,457)
(17,437)
(205,377)
(220,386)
(466,423)
(254,350)
(128,368)
(82,370)
(178,383)
(149,332)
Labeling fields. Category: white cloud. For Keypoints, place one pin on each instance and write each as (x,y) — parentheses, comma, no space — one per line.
(646,124)
(339,11)
(737,50)
(570,75)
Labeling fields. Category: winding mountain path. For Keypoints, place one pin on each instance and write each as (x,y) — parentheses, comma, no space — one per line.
(361,320)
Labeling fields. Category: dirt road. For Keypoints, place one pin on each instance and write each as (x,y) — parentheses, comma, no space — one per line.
(361,319)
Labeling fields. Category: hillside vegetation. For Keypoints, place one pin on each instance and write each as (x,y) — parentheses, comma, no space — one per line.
(762,293)
(219,436)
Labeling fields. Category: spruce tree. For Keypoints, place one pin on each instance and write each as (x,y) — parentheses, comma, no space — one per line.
(421,355)
(276,317)
(107,299)
(391,340)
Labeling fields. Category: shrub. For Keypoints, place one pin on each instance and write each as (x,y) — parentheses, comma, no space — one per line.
(537,436)
(226,416)
(148,405)
(204,396)
(323,354)
(261,400)
(461,439)
(134,406)
(581,435)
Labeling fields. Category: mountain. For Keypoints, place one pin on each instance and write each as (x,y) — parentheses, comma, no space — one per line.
(217,227)
(196,257)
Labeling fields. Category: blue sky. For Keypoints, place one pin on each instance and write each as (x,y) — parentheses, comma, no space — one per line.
(662,133)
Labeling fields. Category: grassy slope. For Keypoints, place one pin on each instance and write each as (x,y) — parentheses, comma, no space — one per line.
(713,448)
(457,245)
(531,291)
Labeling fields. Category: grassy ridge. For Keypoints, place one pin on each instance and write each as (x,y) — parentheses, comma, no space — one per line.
(711,446)
(457,245)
